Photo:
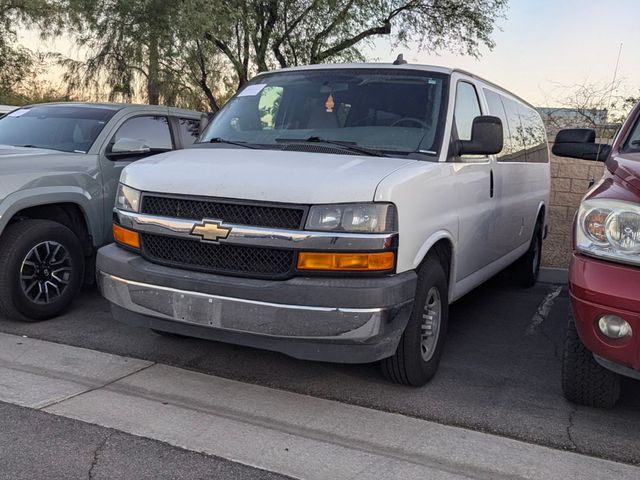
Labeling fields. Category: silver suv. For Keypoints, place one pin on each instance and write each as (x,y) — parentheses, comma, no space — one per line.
(60,165)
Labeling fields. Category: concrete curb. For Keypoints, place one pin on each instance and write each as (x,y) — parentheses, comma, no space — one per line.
(559,276)
(278,431)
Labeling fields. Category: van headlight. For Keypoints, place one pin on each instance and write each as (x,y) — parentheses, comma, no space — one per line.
(127,198)
(353,217)
(609,229)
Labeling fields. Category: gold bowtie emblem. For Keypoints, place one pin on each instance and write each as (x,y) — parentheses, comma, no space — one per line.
(210,230)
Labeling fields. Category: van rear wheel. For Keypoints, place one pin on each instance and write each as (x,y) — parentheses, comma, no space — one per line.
(41,269)
(420,348)
(527,268)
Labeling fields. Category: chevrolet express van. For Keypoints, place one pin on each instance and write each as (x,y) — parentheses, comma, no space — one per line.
(333,213)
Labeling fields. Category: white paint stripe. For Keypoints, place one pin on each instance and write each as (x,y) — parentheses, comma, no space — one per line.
(543,311)
(296,435)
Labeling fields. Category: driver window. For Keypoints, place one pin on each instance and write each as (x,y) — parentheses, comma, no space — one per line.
(153,130)
(467,108)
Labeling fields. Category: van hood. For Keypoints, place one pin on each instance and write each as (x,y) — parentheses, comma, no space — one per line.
(267,175)
(627,167)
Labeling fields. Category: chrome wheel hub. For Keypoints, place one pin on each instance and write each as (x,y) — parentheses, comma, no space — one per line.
(45,272)
(430,326)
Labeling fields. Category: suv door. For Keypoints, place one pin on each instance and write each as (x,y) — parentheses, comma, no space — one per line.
(473,194)
(154,130)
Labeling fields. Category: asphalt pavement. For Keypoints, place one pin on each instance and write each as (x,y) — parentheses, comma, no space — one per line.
(37,445)
(500,372)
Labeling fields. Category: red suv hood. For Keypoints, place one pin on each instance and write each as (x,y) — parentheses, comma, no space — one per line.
(627,167)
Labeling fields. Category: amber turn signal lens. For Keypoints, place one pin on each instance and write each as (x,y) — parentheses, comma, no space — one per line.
(126,237)
(346,261)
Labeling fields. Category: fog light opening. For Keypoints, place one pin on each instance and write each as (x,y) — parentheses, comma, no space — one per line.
(612,326)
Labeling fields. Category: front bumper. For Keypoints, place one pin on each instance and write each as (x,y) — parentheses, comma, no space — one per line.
(598,287)
(348,320)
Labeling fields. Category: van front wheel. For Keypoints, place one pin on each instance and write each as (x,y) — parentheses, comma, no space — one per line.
(420,348)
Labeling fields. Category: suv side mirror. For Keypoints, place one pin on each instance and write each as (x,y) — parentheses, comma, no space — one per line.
(486,137)
(128,147)
(580,143)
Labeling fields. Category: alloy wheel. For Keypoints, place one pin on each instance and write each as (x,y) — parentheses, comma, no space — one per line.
(45,272)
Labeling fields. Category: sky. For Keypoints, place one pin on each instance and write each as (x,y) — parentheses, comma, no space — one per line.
(544,44)
(541,47)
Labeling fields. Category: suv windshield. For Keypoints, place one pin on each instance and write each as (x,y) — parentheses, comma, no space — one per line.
(56,127)
(396,112)
(632,144)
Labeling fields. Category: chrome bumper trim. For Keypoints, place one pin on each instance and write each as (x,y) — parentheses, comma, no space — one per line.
(258,236)
(241,315)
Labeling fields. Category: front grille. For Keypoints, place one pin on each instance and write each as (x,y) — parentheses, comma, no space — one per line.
(217,258)
(229,212)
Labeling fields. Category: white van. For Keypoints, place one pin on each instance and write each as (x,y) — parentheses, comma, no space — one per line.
(332,213)
(4,109)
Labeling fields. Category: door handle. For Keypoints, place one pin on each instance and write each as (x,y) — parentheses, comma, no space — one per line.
(491,184)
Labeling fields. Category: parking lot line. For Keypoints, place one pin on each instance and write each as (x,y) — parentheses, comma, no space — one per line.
(284,432)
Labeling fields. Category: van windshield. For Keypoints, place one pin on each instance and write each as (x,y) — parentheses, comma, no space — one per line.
(396,112)
(55,127)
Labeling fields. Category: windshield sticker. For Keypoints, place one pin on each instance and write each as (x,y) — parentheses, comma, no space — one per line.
(18,113)
(252,90)
(329,104)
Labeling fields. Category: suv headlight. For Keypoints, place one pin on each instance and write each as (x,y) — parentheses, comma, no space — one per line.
(127,198)
(609,229)
(353,217)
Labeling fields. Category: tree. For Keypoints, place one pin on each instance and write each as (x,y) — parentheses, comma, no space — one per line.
(18,63)
(600,106)
(126,41)
(193,52)
(255,35)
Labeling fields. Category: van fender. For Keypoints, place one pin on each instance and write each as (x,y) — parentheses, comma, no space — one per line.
(545,227)
(426,248)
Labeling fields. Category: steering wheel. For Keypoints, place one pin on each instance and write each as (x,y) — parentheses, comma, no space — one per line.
(416,121)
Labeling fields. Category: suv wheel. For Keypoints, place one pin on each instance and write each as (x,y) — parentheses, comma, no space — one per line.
(527,268)
(418,355)
(585,381)
(41,269)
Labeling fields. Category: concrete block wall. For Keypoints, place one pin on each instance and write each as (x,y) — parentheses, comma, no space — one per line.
(569,182)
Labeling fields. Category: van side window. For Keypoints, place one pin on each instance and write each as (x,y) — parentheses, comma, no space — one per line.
(517,135)
(534,135)
(496,108)
(467,108)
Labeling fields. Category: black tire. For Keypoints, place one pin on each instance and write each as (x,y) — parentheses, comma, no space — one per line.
(61,274)
(408,365)
(527,268)
(585,381)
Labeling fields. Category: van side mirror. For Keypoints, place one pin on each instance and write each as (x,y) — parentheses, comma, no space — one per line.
(580,143)
(128,147)
(486,137)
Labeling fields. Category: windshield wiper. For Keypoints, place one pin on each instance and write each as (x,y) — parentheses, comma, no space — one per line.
(352,146)
(230,142)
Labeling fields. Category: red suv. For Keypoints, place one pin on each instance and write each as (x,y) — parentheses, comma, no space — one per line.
(603,337)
